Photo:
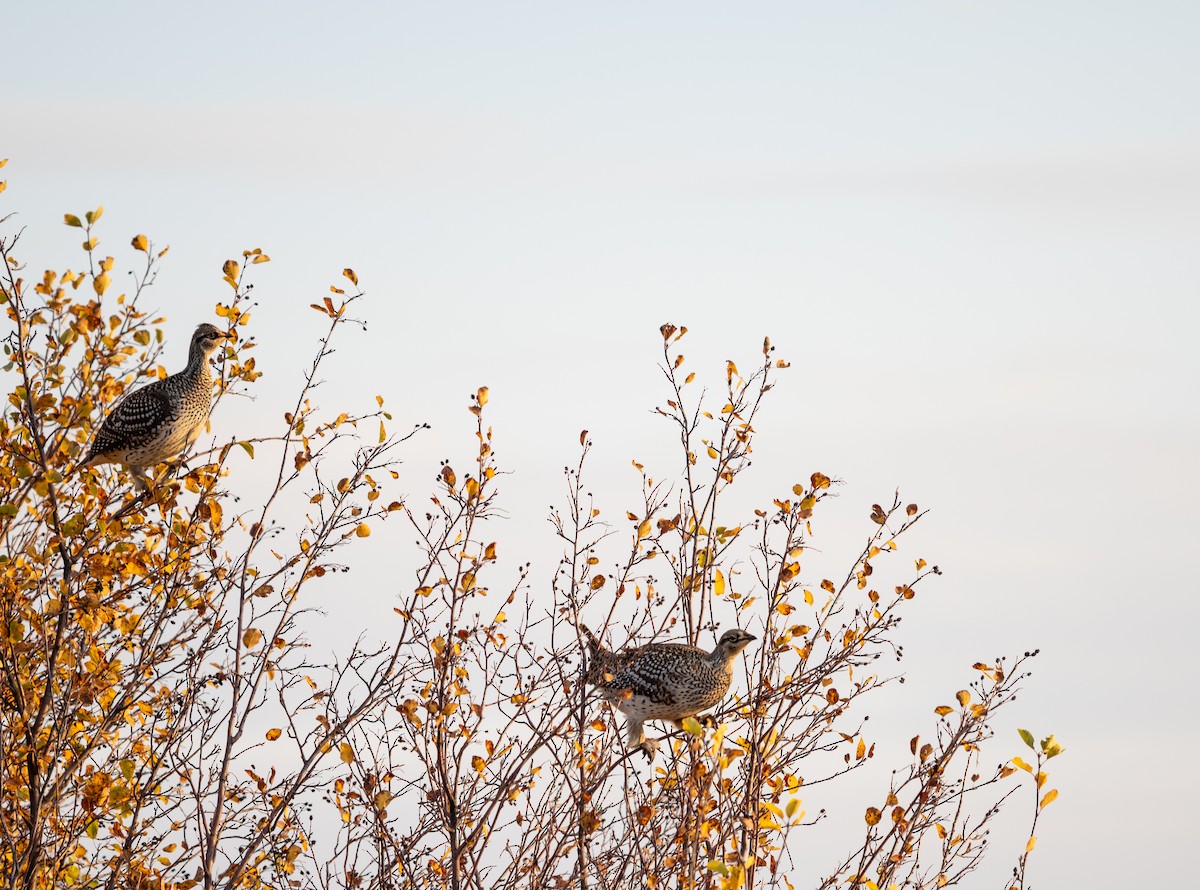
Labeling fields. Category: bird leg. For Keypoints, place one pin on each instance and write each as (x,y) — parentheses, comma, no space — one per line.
(141,480)
(143,485)
(635,736)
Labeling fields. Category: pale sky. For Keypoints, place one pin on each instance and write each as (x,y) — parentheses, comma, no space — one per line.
(973,227)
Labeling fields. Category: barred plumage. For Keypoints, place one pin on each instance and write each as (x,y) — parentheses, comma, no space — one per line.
(662,681)
(162,419)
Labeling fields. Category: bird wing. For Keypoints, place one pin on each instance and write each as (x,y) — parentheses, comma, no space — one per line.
(653,671)
(640,680)
(134,418)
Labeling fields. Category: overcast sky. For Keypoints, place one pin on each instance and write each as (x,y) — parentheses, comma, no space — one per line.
(973,227)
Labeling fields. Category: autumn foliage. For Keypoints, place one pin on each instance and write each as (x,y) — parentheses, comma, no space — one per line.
(167,721)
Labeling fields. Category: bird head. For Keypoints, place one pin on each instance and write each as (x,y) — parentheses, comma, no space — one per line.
(734,641)
(208,338)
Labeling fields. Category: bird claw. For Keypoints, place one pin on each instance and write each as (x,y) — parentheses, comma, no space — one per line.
(131,505)
(649,747)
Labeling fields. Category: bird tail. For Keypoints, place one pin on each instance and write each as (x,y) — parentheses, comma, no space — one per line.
(600,664)
(594,647)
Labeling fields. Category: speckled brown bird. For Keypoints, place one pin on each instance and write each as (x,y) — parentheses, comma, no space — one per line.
(662,681)
(163,419)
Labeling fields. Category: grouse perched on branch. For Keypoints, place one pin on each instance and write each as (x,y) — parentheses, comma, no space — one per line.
(662,681)
(163,419)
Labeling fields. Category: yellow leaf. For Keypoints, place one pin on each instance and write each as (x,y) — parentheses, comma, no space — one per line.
(719,584)
(273,734)
(963,696)
(597,582)
(792,806)
(72,220)
(346,752)
(260,258)
(712,452)
(873,816)
(363,530)
(1051,747)
(643,529)
(1051,796)
(230,268)
(1018,762)
(482,395)
(1032,843)
(251,637)
(382,799)
(478,763)
(141,242)
(349,273)
(942,710)
(100,283)
(692,726)
(472,488)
